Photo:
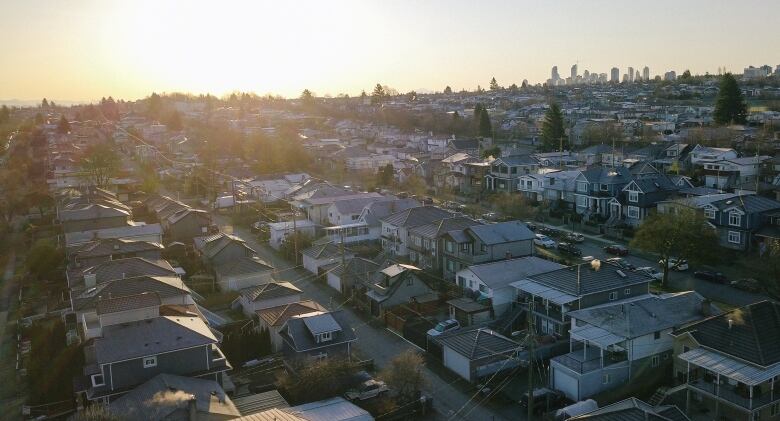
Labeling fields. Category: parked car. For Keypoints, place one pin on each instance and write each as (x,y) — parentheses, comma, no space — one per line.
(747,284)
(675,264)
(651,272)
(550,232)
(367,390)
(569,248)
(531,226)
(450,325)
(542,240)
(544,400)
(616,249)
(621,263)
(575,237)
(711,276)
(490,216)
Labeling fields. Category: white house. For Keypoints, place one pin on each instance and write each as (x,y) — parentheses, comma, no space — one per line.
(280,230)
(320,255)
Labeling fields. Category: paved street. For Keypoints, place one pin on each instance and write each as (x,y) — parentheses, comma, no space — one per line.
(378,344)
(6,291)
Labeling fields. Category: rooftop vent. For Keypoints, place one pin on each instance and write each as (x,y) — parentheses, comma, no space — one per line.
(731,323)
(620,273)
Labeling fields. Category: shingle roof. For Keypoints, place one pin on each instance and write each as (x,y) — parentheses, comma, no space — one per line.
(110,246)
(128,268)
(633,409)
(243,266)
(260,402)
(166,396)
(301,339)
(91,211)
(150,337)
(414,217)
(603,175)
(381,209)
(499,274)
(584,279)
(504,232)
(517,160)
(479,343)
(750,203)
(108,305)
(162,286)
(269,291)
(754,334)
(277,316)
(211,245)
(324,251)
(441,227)
(356,205)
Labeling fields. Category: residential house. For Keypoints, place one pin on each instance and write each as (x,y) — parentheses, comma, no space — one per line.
(355,273)
(675,158)
(220,249)
(734,172)
(556,293)
(598,189)
(267,295)
(476,354)
(368,226)
(137,232)
(117,269)
(505,172)
(701,155)
(273,318)
(641,195)
(319,255)
(634,409)
(187,224)
(559,188)
(242,273)
(478,244)
(93,216)
(730,363)
(348,211)
(395,285)
(316,336)
(469,312)
(617,343)
(425,242)
(491,281)
(90,254)
(396,226)
(279,231)
(316,200)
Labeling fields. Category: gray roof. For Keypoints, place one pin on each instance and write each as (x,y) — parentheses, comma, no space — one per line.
(324,251)
(378,210)
(516,160)
(300,337)
(633,409)
(499,274)
(111,246)
(321,323)
(162,286)
(212,245)
(479,343)
(603,175)
(504,232)
(356,205)
(441,227)
(271,415)
(333,409)
(646,315)
(277,316)
(750,203)
(91,211)
(260,402)
(243,266)
(269,291)
(589,278)
(127,232)
(128,268)
(166,397)
(415,217)
(108,305)
(151,337)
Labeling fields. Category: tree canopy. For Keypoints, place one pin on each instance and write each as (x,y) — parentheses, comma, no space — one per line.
(447,90)
(378,95)
(404,375)
(101,163)
(494,85)
(730,107)
(553,130)
(63,126)
(683,235)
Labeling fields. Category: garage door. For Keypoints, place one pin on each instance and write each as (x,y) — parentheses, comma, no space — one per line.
(566,384)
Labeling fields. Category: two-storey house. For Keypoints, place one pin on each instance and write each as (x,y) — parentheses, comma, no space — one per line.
(598,189)
(316,336)
(641,195)
(505,172)
(396,226)
(484,243)
(394,285)
(426,241)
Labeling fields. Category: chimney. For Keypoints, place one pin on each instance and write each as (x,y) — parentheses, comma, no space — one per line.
(192,408)
(706,307)
(731,323)
(90,279)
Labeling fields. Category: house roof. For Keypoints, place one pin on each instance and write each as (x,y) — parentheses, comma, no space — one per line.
(645,315)
(589,278)
(162,286)
(300,337)
(750,333)
(181,214)
(110,246)
(112,304)
(277,316)
(503,232)
(273,414)
(270,291)
(467,305)
(128,268)
(479,343)
(212,245)
(260,402)
(438,228)
(749,203)
(333,409)
(499,274)
(603,175)
(633,409)
(516,160)
(375,211)
(243,266)
(150,337)
(129,231)
(417,216)
(325,251)
(91,211)
(167,396)
(356,205)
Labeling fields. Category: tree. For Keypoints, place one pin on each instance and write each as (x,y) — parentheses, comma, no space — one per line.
(553,132)
(307,97)
(95,412)
(101,163)
(494,85)
(485,127)
(411,96)
(686,75)
(730,107)
(63,126)
(385,175)
(173,121)
(44,103)
(154,106)
(493,151)
(44,259)
(683,235)
(320,380)
(514,205)
(513,88)
(5,114)
(447,90)
(378,95)
(404,375)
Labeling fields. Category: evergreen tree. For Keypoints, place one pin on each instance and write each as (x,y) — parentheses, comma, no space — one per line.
(5,114)
(448,90)
(485,127)
(307,97)
(513,87)
(154,107)
(686,75)
(494,85)
(553,130)
(378,96)
(63,126)
(44,103)
(730,106)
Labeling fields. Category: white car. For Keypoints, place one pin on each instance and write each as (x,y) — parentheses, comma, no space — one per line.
(367,390)
(673,264)
(443,327)
(651,272)
(542,240)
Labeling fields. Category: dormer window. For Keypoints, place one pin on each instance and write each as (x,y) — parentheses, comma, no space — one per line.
(98,380)
(735,219)
(709,213)
(633,196)
(325,336)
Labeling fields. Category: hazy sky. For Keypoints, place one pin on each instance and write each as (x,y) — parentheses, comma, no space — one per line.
(86,49)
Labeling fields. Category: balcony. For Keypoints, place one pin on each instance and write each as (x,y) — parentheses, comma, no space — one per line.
(91,325)
(738,395)
(585,362)
(217,357)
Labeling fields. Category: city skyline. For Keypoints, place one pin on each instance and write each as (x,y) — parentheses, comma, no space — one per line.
(87,49)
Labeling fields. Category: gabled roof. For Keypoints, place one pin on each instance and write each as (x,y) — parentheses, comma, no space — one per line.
(356,205)
(479,343)
(589,278)
(297,333)
(333,409)
(127,268)
(603,175)
(325,251)
(162,286)
(417,216)
(243,266)
(167,396)
(111,246)
(377,210)
(633,409)
(499,274)
(516,160)
(212,245)
(749,203)
(277,316)
(441,227)
(181,214)
(269,291)
(750,333)
(503,232)
(91,211)
(112,304)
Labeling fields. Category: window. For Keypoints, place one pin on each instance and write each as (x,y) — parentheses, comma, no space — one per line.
(582,187)
(774,410)
(655,361)
(461,281)
(613,295)
(417,241)
(627,291)
(633,212)
(483,248)
(735,219)
(735,237)
(606,378)
(326,336)
(709,213)
(449,246)
(150,362)
(604,187)
(633,196)
(657,335)
(450,265)
(464,247)
(98,380)
(685,349)
(471,284)
(582,201)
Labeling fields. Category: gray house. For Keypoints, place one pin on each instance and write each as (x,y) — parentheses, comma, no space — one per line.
(244,272)
(505,172)
(316,336)
(478,244)
(186,224)
(219,249)
(478,353)
(394,285)
(641,195)
(425,241)
(598,189)
(267,295)
(93,216)
(100,251)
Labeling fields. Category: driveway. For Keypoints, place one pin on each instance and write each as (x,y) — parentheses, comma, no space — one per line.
(377,343)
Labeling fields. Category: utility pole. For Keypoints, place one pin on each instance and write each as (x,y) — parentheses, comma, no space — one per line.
(295,234)
(560,153)
(531,341)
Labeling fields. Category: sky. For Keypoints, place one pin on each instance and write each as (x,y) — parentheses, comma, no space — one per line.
(82,50)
